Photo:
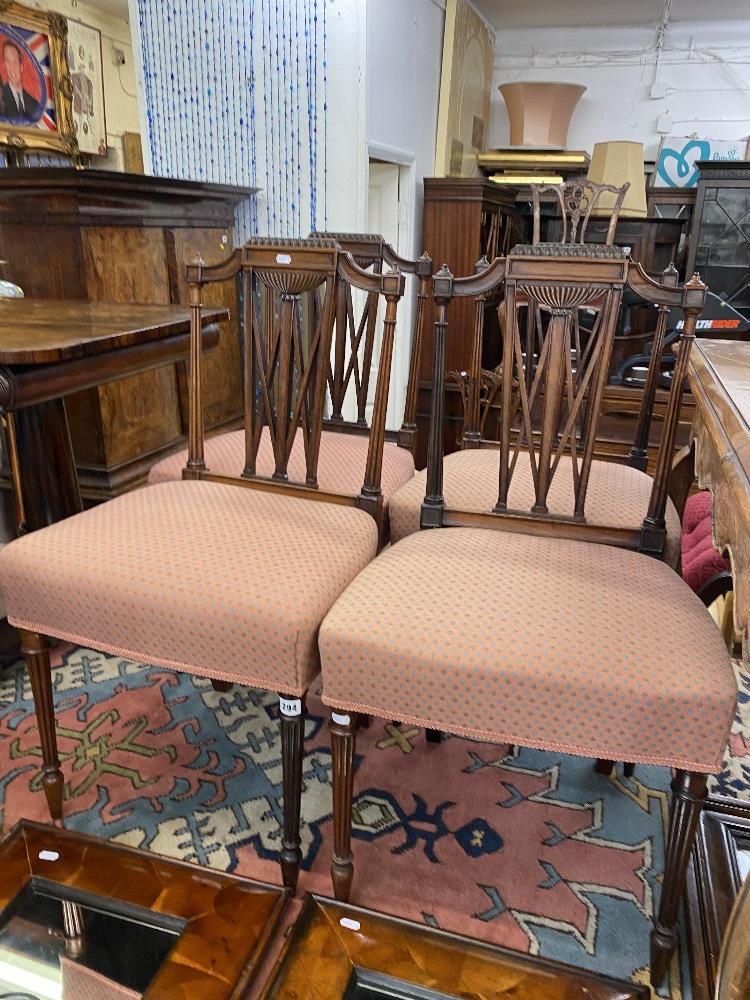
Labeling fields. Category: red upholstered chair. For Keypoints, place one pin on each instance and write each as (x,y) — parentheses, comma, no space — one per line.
(227,578)
(704,569)
(343,446)
(527,623)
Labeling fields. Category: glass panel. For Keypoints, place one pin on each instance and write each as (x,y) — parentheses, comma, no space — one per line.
(742,846)
(723,251)
(366,985)
(39,931)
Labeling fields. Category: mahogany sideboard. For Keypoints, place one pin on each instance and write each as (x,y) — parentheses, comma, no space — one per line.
(113,237)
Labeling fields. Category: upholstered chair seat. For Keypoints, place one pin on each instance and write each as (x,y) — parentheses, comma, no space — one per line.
(154,575)
(341,464)
(533,642)
(617,494)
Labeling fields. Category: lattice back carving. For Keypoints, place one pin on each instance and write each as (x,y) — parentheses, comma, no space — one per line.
(552,381)
(290,293)
(355,331)
(548,372)
(578,200)
(286,348)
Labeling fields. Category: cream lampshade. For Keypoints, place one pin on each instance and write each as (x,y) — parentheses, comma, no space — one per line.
(615,163)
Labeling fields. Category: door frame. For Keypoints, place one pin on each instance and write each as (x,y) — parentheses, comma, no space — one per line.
(407,186)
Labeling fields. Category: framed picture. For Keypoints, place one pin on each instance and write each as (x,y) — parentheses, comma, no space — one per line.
(720,865)
(465,81)
(86,76)
(35,85)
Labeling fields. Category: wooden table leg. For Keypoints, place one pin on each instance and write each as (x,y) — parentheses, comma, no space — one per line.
(49,481)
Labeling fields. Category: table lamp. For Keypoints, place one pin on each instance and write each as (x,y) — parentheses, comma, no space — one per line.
(614,163)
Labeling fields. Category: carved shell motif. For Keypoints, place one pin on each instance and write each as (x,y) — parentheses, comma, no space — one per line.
(562,297)
(290,282)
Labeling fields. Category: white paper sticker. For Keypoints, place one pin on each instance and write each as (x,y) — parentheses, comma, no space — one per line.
(351,925)
(48,856)
(283,258)
(290,706)
(340,720)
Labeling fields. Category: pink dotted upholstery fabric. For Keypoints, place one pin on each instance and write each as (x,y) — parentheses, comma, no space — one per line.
(700,560)
(549,643)
(80,983)
(341,465)
(617,496)
(222,581)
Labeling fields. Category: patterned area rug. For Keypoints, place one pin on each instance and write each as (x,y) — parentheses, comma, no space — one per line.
(530,850)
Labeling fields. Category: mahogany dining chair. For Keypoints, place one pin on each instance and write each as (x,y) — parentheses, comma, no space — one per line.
(532,623)
(224,577)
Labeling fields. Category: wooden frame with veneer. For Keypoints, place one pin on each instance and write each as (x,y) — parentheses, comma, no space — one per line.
(226,921)
(334,952)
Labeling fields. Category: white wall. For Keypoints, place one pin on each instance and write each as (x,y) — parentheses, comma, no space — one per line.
(404,56)
(704,68)
(120,98)
(346,179)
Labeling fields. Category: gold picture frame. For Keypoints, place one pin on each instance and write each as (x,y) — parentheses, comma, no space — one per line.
(36,111)
(465,84)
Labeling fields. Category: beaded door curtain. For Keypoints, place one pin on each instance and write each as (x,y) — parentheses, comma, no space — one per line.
(235,93)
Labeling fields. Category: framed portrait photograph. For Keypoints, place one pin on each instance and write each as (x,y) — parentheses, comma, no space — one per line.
(86,74)
(35,83)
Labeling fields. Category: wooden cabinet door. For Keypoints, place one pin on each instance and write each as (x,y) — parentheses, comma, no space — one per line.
(140,415)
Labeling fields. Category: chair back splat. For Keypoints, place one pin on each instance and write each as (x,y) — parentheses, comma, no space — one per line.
(291,289)
(579,200)
(558,307)
(355,337)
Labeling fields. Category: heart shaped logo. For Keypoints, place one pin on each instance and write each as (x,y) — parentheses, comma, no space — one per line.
(676,167)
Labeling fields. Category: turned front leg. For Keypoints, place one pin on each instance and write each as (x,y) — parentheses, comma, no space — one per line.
(343,730)
(688,793)
(292,722)
(36,653)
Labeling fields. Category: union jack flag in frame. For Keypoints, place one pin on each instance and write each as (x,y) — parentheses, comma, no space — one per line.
(35,84)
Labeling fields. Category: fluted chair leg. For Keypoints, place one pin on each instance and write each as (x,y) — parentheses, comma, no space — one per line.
(688,793)
(343,729)
(36,652)
(292,723)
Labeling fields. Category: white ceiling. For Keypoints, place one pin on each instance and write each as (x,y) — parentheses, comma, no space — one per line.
(579,13)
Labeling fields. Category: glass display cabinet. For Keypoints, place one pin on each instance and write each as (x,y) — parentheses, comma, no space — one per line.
(720,239)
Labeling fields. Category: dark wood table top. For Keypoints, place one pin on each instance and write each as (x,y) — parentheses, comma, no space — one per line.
(48,331)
